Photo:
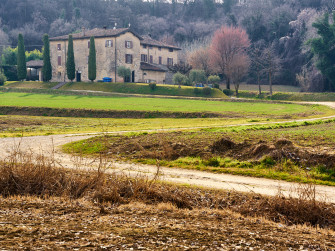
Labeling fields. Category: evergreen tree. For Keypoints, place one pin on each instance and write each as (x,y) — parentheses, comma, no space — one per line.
(92,64)
(70,64)
(323,48)
(46,70)
(21,59)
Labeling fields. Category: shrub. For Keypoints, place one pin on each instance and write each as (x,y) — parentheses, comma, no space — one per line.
(152,86)
(124,72)
(228,92)
(3,78)
(213,79)
(198,76)
(197,91)
(206,91)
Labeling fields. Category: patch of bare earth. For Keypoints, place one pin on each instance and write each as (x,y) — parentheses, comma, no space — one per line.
(58,223)
(171,146)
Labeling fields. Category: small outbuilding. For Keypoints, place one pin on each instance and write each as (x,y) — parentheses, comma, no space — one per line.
(34,70)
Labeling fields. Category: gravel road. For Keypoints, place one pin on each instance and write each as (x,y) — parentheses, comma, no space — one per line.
(51,144)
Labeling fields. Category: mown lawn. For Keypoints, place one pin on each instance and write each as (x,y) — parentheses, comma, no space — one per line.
(242,109)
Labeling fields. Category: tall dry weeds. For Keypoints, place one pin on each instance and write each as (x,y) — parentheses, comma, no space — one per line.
(29,174)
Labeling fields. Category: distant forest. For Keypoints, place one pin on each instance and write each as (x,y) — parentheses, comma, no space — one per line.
(283,25)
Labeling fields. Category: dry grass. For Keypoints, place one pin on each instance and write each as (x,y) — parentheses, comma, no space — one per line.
(26,174)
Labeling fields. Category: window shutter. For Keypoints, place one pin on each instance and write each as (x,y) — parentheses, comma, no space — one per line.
(131,44)
(106,43)
(59,60)
(88,43)
(131,59)
(125,44)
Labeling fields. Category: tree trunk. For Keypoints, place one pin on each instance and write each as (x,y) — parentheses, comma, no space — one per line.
(270,82)
(228,84)
(259,84)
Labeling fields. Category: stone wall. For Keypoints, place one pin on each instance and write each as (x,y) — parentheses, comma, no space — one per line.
(106,57)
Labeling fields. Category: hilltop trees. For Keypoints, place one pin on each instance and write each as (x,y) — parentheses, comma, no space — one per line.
(21,59)
(46,70)
(227,44)
(92,64)
(70,64)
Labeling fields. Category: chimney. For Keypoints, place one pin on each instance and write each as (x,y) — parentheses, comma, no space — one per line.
(115,24)
(83,30)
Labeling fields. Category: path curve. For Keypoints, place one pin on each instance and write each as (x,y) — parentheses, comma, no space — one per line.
(50,144)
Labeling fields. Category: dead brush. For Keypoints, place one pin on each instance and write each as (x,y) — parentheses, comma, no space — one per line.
(28,174)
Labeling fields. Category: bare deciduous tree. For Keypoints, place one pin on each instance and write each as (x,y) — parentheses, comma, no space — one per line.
(237,70)
(200,59)
(227,43)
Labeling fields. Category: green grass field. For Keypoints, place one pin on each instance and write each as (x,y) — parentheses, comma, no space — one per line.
(18,126)
(238,109)
(127,88)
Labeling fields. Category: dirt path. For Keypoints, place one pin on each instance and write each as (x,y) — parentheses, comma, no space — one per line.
(50,144)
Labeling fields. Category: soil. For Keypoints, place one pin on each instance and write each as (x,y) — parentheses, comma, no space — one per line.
(57,223)
(171,146)
(84,113)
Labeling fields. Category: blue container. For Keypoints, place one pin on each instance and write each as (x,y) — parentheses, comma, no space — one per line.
(106,79)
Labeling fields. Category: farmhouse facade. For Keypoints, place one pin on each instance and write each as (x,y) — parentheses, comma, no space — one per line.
(148,59)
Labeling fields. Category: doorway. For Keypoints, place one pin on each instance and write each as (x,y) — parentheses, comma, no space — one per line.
(78,76)
(133,76)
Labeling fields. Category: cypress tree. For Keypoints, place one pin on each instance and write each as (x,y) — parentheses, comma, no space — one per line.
(21,59)
(46,70)
(70,64)
(92,64)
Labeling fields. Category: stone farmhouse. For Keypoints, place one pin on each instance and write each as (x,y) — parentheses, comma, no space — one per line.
(148,59)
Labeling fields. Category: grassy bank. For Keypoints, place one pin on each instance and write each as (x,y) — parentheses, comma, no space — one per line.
(128,88)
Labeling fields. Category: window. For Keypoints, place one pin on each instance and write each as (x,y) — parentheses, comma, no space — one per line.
(170,50)
(109,43)
(128,44)
(129,59)
(88,44)
(144,58)
(144,46)
(170,61)
(151,59)
(59,60)
(59,47)
(160,60)
(159,48)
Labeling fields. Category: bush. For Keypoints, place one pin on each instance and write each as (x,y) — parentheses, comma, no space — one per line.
(228,92)
(152,86)
(216,86)
(214,79)
(206,91)
(3,78)
(197,91)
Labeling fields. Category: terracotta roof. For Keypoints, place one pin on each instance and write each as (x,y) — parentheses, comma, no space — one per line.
(35,64)
(97,33)
(149,41)
(151,67)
